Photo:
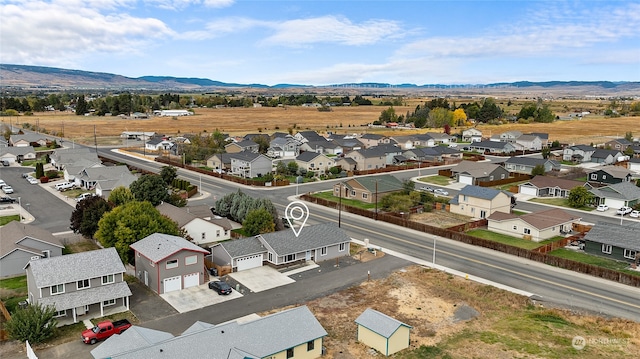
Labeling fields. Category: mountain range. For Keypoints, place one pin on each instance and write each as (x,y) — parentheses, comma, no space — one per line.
(51,78)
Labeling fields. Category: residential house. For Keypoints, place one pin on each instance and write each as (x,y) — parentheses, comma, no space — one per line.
(308,136)
(249,164)
(607,157)
(544,138)
(28,139)
(381,332)
(283,147)
(298,335)
(492,147)
(220,162)
(578,153)
(322,146)
(345,144)
(634,164)
(471,135)
(88,178)
(17,154)
(528,143)
(480,202)
(84,284)
(318,243)
(509,136)
(535,226)
(407,142)
(137,135)
(613,242)
(158,144)
(346,163)
(617,195)
(104,188)
(242,146)
(367,189)
(618,144)
(437,137)
(167,263)
(372,139)
(608,175)
(314,162)
(20,243)
(77,157)
(472,173)
(201,230)
(131,339)
(547,186)
(527,164)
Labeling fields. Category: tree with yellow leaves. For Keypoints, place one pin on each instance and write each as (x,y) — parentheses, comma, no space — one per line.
(459,117)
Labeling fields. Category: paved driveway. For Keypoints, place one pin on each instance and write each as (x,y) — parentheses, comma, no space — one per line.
(261,278)
(197,297)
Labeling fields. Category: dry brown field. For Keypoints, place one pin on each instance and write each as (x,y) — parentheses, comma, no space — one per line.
(239,121)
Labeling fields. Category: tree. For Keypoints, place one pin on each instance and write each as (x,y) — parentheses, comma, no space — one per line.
(176,200)
(35,323)
(545,152)
(257,222)
(538,170)
(39,170)
(579,197)
(489,110)
(459,117)
(438,117)
(129,223)
(88,212)
(81,106)
(628,136)
(397,202)
(150,188)
(388,115)
(168,174)
(121,195)
(555,144)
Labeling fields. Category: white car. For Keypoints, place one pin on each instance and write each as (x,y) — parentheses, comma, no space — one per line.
(32,180)
(440,191)
(7,189)
(63,186)
(602,207)
(624,210)
(84,196)
(634,214)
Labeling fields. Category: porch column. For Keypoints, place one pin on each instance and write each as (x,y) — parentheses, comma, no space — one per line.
(101,308)
(74,315)
(126,300)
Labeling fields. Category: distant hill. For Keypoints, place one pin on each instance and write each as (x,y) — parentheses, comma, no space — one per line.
(40,77)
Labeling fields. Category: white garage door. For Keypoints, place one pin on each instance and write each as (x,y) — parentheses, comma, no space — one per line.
(191,280)
(529,191)
(465,179)
(249,262)
(172,284)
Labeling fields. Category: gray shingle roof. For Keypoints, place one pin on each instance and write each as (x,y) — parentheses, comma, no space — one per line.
(254,339)
(385,183)
(243,247)
(481,192)
(159,246)
(627,237)
(87,296)
(379,322)
(74,267)
(624,190)
(13,232)
(307,156)
(133,338)
(311,237)
(530,161)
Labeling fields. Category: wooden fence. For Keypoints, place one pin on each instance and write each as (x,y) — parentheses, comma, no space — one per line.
(589,269)
(5,313)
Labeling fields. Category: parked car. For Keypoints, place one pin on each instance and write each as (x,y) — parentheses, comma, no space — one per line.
(84,196)
(104,330)
(634,214)
(2,183)
(7,189)
(26,175)
(440,191)
(624,210)
(6,163)
(32,180)
(7,199)
(63,186)
(220,287)
(426,188)
(602,207)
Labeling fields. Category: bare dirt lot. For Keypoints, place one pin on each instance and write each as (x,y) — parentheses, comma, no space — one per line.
(455,318)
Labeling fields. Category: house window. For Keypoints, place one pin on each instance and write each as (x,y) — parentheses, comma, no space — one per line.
(291,257)
(83,284)
(60,313)
(594,176)
(46,253)
(515,228)
(108,279)
(172,264)
(527,231)
(151,263)
(353,193)
(365,195)
(336,190)
(464,197)
(311,345)
(490,178)
(270,257)
(289,353)
(323,251)
(606,248)
(342,247)
(217,233)
(502,176)
(109,302)
(190,260)
(57,289)
(204,235)
(628,253)
(483,213)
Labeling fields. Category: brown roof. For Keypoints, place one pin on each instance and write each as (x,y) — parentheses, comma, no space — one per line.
(546,182)
(179,215)
(549,218)
(13,232)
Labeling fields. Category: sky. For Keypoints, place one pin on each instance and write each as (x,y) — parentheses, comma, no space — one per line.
(329,42)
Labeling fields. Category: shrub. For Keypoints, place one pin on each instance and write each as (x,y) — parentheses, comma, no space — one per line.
(44,179)
(52,174)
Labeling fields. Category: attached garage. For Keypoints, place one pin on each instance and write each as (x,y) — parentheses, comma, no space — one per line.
(172,284)
(466,179)
(192,280)
(249,262)
(529,190)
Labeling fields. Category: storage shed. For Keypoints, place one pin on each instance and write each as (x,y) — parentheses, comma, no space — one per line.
(381,332)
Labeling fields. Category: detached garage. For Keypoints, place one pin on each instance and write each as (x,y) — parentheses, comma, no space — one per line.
(381,332)
(168,263)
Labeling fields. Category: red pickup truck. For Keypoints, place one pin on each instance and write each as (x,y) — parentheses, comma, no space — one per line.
(104,330)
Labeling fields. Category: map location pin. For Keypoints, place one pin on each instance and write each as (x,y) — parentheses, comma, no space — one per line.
(296,211)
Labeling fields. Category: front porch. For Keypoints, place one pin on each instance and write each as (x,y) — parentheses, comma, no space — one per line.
(91,314)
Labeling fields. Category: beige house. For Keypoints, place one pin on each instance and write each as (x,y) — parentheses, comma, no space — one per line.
(367,189)
(314,162)
(537,226)
(381,332)
(480,202)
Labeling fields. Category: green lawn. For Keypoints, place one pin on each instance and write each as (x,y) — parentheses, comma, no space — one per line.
(512,241)
(438,180)
(561,202)
(6,219)
(592,259)
(328,195)
(12,291)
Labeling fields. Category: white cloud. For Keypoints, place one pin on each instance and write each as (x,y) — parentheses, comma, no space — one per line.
(182,4)
(57,33)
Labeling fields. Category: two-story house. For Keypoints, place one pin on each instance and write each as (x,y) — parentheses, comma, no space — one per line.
(472,135)
(608,175)
(20,243)
(314,162)
(249,164)
(200,230)
(220,162)
(578,153)
(606,157)
(283,147)
(166,263)
(81,284)
(242,146)
(480,202)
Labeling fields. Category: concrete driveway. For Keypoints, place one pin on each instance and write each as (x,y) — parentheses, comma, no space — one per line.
(198,297)
(261,278)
